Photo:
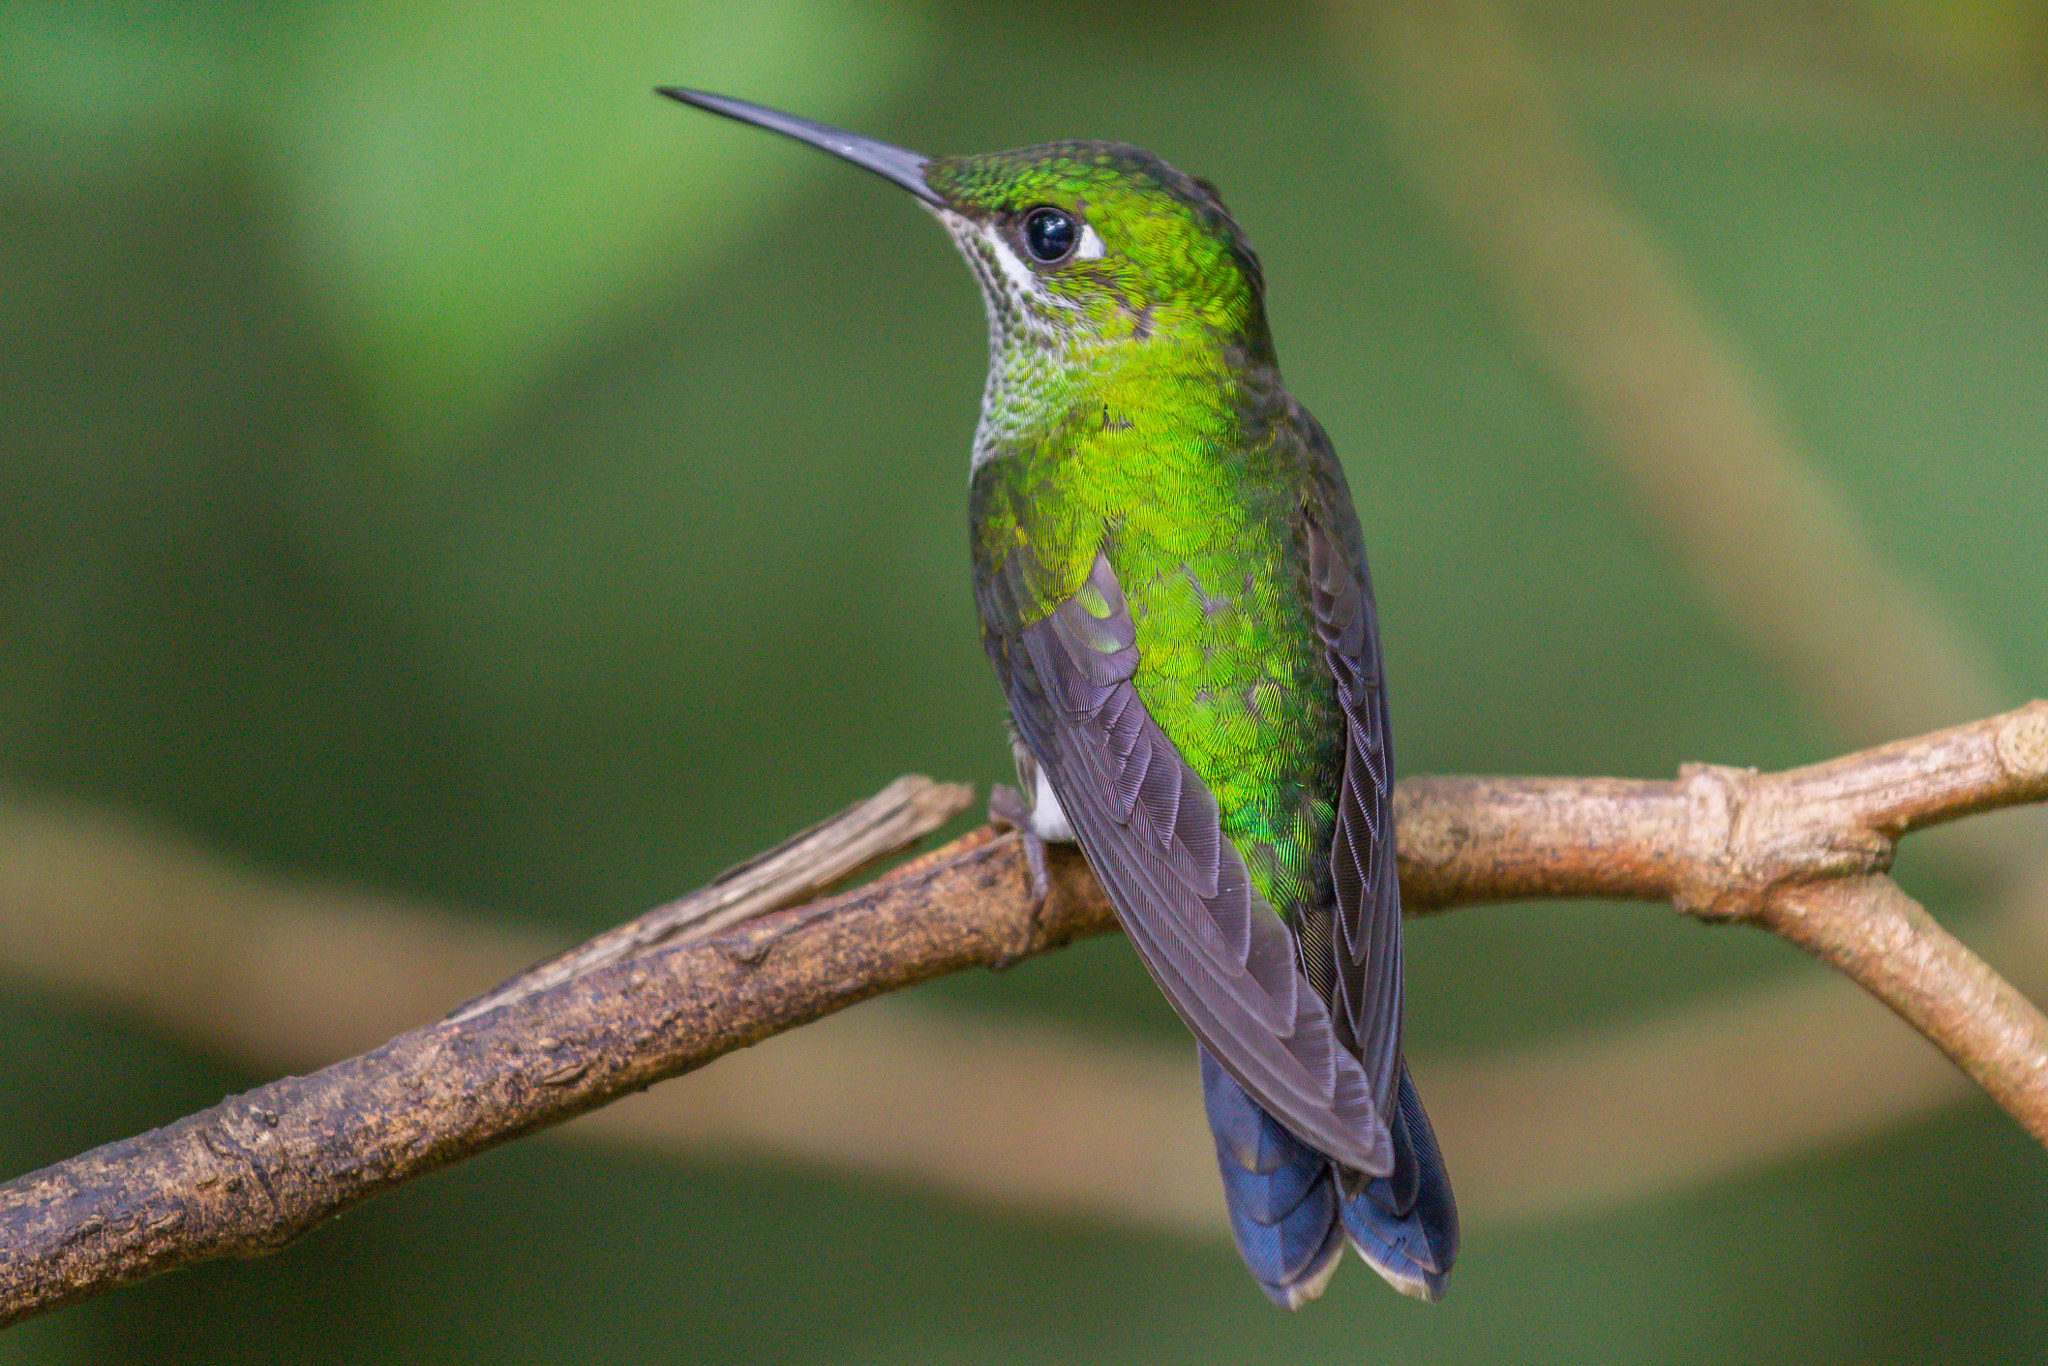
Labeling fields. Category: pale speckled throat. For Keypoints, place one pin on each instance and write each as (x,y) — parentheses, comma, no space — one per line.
(1029,327)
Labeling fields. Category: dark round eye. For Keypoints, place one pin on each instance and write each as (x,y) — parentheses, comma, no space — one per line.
(1049,234)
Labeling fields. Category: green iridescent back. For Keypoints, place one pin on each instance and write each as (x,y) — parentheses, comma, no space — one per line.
(1195,500)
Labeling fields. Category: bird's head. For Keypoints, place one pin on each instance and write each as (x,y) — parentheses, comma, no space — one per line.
(1075,244)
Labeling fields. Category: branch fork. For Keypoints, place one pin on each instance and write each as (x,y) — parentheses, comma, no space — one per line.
(1747,840)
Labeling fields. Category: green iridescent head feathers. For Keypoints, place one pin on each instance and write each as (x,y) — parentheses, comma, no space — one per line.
(1078,245)
(1150,249)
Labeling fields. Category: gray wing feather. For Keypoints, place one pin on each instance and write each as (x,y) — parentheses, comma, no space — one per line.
(1366,985)
(1151,830)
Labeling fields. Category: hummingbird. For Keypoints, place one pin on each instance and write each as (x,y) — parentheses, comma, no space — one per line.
(1173,591)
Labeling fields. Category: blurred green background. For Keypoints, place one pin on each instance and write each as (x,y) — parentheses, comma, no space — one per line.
(434,463)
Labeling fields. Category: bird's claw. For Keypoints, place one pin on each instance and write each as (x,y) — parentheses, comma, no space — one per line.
(1006,808)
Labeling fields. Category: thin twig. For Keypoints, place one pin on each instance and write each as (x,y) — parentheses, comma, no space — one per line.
(799,868)
(259,1170)
(1887,943)
(1799,852)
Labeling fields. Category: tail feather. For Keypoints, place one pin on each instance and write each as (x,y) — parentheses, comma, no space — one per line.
(1406,1223)
(1291,1208)
(1282,1194)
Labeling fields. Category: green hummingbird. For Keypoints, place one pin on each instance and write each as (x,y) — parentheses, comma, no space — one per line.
(1173,591)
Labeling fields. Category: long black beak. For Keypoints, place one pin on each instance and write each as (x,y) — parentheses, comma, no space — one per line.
(893,164)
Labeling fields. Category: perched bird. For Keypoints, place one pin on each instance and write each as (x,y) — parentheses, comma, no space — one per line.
(1174,594)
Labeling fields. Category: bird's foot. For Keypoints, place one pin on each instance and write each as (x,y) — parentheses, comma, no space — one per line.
(1006,808)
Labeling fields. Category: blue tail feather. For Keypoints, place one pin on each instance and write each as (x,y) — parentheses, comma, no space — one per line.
(1281,1193)
(1406,1223)
(1291,1208)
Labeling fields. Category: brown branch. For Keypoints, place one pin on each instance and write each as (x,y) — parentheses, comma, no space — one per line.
(255,1172)
(268,971)
(801,867)
(1718,841)
(1888,944)
(1798,851)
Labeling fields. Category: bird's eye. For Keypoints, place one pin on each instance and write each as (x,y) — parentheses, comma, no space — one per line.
(1050,234)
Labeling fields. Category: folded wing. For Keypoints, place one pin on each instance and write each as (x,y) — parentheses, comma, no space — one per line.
(1151,830)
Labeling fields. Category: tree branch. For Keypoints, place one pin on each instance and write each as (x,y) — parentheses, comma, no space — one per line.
(1801,852)
(1718,841)
(1888,944)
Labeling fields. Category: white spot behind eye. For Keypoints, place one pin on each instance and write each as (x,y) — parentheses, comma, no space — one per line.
(1023,283)
(1091,248)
